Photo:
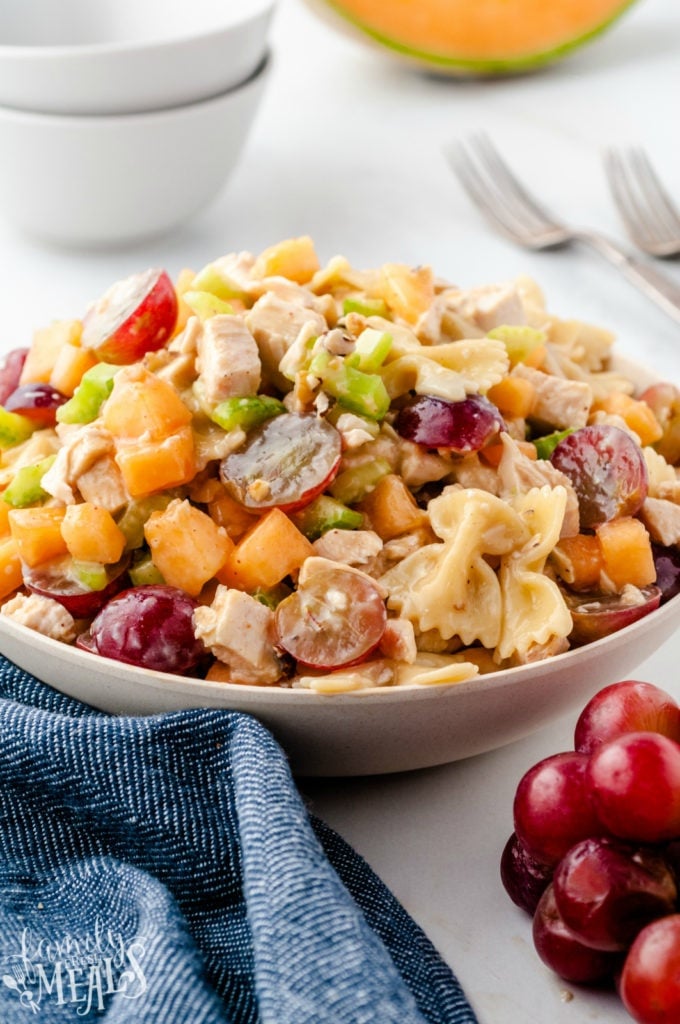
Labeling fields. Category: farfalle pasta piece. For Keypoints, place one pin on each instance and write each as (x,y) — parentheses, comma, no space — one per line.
(451,587)
(534,611)
(452,370)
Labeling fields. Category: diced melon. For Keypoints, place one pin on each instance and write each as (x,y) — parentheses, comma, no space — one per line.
(186,546)
(295,258)
(627,552)
(150,466)
(91,534)
(142,405)
(408,291)
(269,552)
(37,532)
(391,508)
(45,347)
(11,576)
(69,366)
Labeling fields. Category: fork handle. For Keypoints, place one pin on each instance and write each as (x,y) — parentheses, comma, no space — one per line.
(657,286)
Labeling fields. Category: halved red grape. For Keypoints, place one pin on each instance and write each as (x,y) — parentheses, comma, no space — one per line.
(464,426)
(11,365)
(148,626)
(38,402)
(607,891)
(667,563)
(285,463)
(57,579)
(597,615)
(335,618)
(136,315)
(607,470)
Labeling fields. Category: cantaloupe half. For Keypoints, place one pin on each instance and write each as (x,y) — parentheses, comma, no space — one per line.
(477,36)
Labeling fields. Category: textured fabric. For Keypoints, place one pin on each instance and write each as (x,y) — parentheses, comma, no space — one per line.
(165,870)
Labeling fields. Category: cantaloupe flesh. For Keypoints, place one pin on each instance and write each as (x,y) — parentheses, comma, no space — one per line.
(481,35)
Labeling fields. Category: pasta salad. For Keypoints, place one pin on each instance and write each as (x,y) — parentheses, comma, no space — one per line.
(272,472)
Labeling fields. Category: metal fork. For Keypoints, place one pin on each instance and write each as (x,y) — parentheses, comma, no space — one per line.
(652,220)
(504,200)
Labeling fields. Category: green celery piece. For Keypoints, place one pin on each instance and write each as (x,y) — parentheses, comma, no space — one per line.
(364,305)
(211,280)
(363,393)
(135,515)
(371,348)
(336,411)
(14,428)
(326,513)
(204,304)
(546,445)
(95,387)
(92,575)
(25,487)
(142,572)
(519,340)
(273,596)
(354,484)
(246,412)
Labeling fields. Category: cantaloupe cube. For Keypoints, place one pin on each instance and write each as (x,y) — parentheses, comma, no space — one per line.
(269,552)
(513,396)
(627,552)
(10,566)
(150,466)
(91,534)
(391,508)
(45,347)
(408,291)
(227,512)
(295,258)
(636,414)
(186,546)
(37,532)
(578,560)
(69,367)
(143,405)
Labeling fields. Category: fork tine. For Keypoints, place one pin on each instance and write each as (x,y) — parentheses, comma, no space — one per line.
(495,190)
(625,196)
(650,216)
(651,185)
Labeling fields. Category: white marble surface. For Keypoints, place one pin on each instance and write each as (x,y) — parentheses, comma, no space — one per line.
(347,148)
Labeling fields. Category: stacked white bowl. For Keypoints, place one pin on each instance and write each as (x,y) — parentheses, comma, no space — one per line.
(121,119)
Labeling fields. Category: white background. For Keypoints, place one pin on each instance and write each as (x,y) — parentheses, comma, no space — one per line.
(347,147)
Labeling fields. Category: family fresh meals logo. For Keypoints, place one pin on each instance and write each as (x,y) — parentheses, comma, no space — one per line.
(82,971)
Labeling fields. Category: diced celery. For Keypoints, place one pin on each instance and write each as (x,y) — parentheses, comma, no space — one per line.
(205,304)
(363,393)
(246,412)
(92,575)
(354,484)
(272,596)
(143,572)
(336,411)
(371,350)
(519,340)
(364,305)
(211,279)
(326,513)
(14,428)
(25,487)
(546,445)
(135,515)
(95,386)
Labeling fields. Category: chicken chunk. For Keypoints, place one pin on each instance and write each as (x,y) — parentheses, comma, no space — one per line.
(352,547)
(275,324)
(662,519)
(228,361)
(239,631)
(81,449)
(43,615)
(559,403)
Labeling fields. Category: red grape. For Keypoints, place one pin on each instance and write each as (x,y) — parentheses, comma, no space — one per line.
(650,980)
(634,782)
(56,579)
(552,807)
(464,426)
(607,891)
(39,402)
(336,618)
(607,470)
(627,706)
(286,462)
(135,316)
(560,950)
(149,626)
(11,365)
(667,563)
(597,615)
(524,879)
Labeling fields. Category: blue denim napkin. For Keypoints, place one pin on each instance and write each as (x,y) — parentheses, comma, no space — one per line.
(165,870)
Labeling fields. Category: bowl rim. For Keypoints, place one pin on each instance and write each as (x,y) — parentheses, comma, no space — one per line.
(38,117)
(16,52)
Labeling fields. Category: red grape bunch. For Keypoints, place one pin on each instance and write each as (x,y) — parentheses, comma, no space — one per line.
(595,852)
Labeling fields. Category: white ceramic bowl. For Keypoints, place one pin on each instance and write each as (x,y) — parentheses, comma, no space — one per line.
(98,181)
(365,732)
(126,56)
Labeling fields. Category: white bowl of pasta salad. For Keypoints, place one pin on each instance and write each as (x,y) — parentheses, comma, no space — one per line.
(399,521)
